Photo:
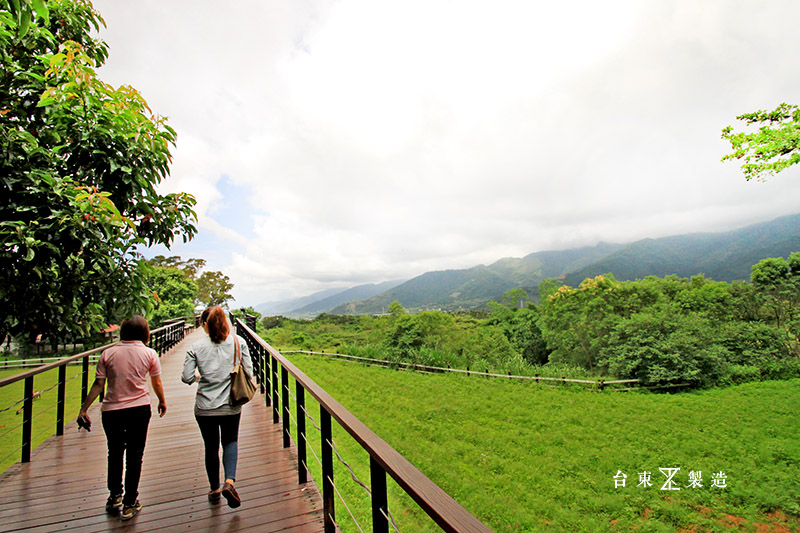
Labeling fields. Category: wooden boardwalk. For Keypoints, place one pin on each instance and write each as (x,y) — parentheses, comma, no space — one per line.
(64,485)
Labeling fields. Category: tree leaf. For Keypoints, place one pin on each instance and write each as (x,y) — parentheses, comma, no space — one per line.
(24,23)
(41,9)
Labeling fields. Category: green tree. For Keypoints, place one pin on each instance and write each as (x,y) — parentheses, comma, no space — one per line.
(80,164)
(777,284)
(396,309)
(189,266)
(774,147)
(514,299)
(665,348)
(213,289)
(576,322)
(242,313)
(173,292)
(526,336)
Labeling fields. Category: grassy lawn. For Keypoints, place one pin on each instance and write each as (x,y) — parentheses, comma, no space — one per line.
(525,457)
(44,410)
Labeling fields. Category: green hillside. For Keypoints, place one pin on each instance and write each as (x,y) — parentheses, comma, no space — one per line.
(726,256)
(446,290)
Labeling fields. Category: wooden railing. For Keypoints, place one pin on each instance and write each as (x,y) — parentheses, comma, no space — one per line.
(161,340)
(442,508)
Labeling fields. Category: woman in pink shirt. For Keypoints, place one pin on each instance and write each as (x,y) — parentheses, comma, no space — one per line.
(126,410)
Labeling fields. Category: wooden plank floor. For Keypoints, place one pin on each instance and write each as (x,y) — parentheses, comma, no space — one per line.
(64,485)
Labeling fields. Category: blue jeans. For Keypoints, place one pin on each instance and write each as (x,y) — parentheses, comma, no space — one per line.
(216,430)
(126,434)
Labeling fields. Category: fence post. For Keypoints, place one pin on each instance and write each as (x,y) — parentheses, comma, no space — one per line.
(274,370)
(285,401)
(328,502)
(302,469)
(260,356)
(85,379)
(380,505)
(266,387)
(27,420)
(62,389)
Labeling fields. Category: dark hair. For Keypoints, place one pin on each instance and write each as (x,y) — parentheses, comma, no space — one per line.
(217,325)
(204,316)
(134,329)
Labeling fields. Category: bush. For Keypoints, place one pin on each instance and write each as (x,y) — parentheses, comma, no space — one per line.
(754,343)
(781,369)
(742,374)
(665,348)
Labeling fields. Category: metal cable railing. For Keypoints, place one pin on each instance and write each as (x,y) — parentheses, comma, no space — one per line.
(336,451)
(383,459)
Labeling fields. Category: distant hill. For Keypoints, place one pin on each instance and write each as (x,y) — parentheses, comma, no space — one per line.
(282,307)
(724,256)
(360,292)
(436,290)
(323,301)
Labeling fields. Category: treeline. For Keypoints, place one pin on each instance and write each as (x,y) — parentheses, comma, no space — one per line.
(660,330)
(678,330)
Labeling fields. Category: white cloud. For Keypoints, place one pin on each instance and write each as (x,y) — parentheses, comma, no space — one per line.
(379,140)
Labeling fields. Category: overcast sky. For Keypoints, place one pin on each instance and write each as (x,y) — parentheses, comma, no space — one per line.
(334,143)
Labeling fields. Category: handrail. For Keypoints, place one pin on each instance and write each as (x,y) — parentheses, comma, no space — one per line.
(161,340)
(155,337)
(439,505)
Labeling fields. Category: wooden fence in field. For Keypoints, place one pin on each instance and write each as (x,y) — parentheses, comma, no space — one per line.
(599,384)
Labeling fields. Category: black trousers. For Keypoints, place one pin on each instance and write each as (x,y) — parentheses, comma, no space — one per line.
(126,434)
(216,430)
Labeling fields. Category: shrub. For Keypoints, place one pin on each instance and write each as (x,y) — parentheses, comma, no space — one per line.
(743,373)
(754,343)
(665,348)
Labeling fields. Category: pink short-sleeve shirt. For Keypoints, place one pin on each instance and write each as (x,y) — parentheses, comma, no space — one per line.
(126,366)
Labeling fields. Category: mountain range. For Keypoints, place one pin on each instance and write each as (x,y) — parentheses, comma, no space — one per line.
(725,256)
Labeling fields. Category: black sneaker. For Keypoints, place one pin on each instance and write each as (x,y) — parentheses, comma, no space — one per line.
(129,511)
(114,504)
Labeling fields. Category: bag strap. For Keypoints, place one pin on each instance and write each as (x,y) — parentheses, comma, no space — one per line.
(236,350)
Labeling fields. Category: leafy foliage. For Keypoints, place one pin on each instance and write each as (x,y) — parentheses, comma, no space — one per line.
(213,289)
(173,290)
(80,164)
(670,330)
(665,348)
(774,147)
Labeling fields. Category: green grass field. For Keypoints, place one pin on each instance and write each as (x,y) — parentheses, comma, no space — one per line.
(526,457)
(44,410)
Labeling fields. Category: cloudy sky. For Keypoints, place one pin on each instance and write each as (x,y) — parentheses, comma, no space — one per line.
(334,143)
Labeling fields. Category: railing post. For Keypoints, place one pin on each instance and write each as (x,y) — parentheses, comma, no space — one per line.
(85,379)
(62,389)
(302,470)
(27,420)
(259,351)
(380,505)
(328,502)
(285,402)
(275,407)
(266,386)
